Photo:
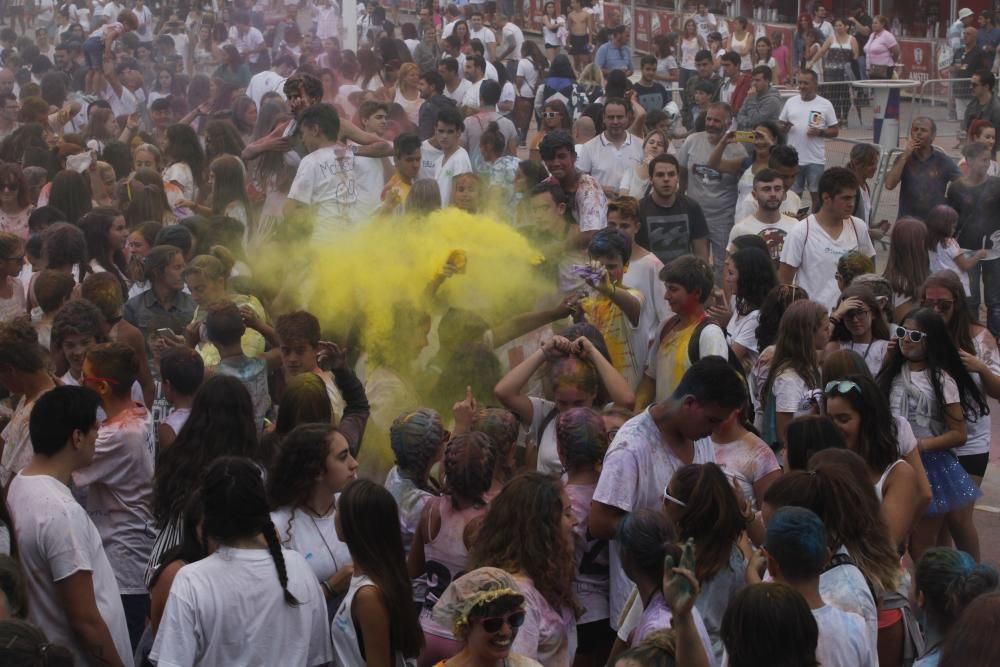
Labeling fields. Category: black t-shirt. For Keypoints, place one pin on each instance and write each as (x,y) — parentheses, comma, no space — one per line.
(668,232)
(978,209)
(866,21)
(653,98)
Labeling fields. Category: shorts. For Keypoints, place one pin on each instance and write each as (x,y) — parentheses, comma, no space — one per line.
(808,178)
(93,51)
(579,45)
(553,46)
(975,464)
(595,636)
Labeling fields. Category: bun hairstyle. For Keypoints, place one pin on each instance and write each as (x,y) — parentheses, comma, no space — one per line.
(234,507)
(469,460)
(416,438)
(950,580)
(646,537)
(581,438)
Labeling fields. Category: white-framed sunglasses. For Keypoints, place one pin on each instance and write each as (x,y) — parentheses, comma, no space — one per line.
(901,332)
(670,498)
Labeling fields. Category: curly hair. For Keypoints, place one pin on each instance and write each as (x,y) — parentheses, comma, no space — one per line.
(468,465)
(221,424)
(581,438)
(502,428)
(77,318)
(846,502)
(416,438)
(712,517)
(64,245)
(522,534)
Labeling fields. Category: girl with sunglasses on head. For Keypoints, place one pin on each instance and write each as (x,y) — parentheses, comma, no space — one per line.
(485,611)
(376,623)
(700,500)
(860,327)
(928,385)
(528,532)
(440,546)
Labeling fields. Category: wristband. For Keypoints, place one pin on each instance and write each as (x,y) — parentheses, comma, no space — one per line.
(327,588)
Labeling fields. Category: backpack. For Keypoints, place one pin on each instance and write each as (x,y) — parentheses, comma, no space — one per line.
(694,354)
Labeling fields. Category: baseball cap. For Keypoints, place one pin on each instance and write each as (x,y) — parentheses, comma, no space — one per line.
(964,13)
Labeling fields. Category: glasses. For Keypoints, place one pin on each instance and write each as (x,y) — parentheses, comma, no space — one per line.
(901,332)
(857,313)
(91,379)
(670,498)
(940,305)
(493,624)
(841,387)
(550,114)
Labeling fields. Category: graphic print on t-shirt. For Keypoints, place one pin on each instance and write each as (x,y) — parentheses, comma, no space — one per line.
(774,237)
(816,118)
(707,174)
(669,236)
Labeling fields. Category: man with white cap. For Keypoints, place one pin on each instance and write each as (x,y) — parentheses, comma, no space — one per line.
(965,16)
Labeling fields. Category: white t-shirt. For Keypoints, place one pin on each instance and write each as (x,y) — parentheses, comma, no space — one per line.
(369,179)
(979,432)
(773,233)
(313,537)
(746,461)
(604,161)
(788,389)
(843,639)
(180,174)
(637,467)
(817,112)
(845,588)
(229,609)
(548,457)
(119,485)
(264,82)
(253,39)
(511,30)
(121,105)
(484,35)
(429,155)
(810,250)
(447,169)
(644,275)
(747,206)
(742,329)
(56,539)
(471,98)
(326,179)
(942,258)
(459,93)
(526,69)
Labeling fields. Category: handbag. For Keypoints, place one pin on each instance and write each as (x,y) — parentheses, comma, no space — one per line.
(880,72)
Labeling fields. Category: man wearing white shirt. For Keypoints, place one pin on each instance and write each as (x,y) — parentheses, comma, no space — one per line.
(122,99)
(451,17)
(608,155)
(475,72)
(146,21)
(74,595)
(478,31)
(511,40)
(248,40)
(768,222)
(809,120)
(110,12)
(812,248)
(785,161)
(272,79)
(326,15)
(455,85)
(454,159)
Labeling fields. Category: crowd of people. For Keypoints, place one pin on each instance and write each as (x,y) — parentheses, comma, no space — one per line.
(699,427)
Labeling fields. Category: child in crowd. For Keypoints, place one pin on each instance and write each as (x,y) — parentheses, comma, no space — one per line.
(225,329)
(12,296)
(181,372)
(944,250)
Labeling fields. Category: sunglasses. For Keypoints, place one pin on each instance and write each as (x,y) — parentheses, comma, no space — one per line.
(670,498)
(841,387)
(940,305)
(901,332)
(493,624)
(550,114)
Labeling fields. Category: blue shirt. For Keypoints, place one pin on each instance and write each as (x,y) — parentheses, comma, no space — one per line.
(611,57)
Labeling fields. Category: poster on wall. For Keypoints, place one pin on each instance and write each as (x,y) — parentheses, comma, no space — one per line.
(918,58)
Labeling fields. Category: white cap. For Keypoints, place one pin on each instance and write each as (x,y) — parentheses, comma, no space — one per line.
(964,13)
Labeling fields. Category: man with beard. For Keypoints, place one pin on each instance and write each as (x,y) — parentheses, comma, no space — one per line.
(431,89)
(768,221)
(714,188)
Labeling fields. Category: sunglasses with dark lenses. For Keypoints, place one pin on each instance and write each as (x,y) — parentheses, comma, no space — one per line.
(940,305)
(901,332)
(493,624)
(841,387)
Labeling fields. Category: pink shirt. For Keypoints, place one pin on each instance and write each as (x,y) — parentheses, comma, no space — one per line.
(878,47)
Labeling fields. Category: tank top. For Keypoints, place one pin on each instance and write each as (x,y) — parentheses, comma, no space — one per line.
(881,480)
(444,557)
(593,576)
(411,107)
(746,61)
(346,646)
(689,48)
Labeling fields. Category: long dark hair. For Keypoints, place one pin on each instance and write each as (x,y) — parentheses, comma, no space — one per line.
(192,547)
(878,437)
(756,278)
(221,424)
(772,310)
(71,194)
(301,459)
(961,321)
(369,523)
(880,328)
(234,506)
(183,146)
(711,517)
(229,184)
(942,357)
(96,226)
(770,624)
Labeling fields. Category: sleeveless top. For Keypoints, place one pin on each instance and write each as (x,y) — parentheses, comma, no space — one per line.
(746,61)
(411,107)
(689,49)
(880,484)
(837,61)
(346,643)
(593,574)
(444,558)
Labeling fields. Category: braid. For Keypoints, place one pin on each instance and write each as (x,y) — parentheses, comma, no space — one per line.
(274,546)
(416,439)
(468,467)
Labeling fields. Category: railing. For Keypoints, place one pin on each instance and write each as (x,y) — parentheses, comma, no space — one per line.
(944,102)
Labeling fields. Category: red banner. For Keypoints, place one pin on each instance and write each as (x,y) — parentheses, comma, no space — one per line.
(643,36)
(919,57)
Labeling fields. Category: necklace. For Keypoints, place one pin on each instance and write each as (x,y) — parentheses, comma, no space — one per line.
(867,350)
(336,567)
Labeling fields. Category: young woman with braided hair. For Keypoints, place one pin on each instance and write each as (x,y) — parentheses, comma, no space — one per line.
(313,465)
(228,608)
(440,546)
(376,624)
